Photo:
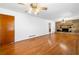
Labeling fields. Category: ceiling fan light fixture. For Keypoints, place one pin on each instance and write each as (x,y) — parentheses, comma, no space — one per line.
(36,8)
(34,5)
(33,11)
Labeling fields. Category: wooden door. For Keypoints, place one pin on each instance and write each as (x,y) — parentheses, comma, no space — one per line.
(7,30)
(10,30)
(0,32)
(3,30)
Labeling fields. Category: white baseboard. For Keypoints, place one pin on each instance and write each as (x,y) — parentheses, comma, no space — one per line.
(29,37)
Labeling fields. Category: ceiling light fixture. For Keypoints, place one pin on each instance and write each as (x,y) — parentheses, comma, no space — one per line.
(34,8)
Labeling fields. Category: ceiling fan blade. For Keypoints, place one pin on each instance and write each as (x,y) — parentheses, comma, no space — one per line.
(21,3)
(44,8)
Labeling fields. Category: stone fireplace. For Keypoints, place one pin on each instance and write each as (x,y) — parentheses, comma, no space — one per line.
(68,26)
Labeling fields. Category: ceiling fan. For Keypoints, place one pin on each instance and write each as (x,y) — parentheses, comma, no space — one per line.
(35,8)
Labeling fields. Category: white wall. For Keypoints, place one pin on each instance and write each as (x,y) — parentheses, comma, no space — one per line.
(26,25)
(53,26)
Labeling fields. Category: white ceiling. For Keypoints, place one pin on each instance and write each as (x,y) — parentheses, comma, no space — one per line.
(55,10)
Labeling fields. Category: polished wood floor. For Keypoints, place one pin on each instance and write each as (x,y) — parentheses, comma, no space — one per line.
(57,44)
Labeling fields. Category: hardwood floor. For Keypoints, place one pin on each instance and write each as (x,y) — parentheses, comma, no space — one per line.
(57,44)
